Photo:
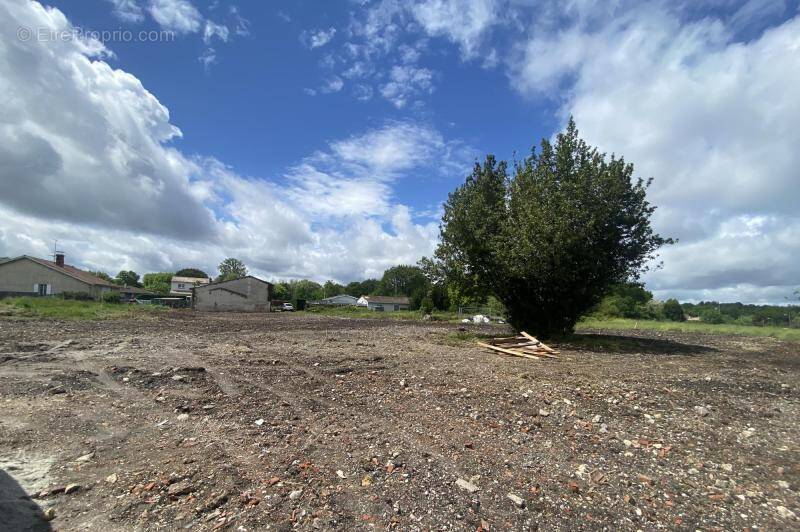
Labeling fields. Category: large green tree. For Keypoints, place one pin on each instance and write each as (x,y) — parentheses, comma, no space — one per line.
(549,240)
(157,282)
(231,269)
(128,278)
(191,272)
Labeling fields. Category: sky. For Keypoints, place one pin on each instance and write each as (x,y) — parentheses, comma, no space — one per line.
(319,139)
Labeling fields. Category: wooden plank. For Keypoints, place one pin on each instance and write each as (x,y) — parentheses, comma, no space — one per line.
(507,351)
(541,353)
(532,339)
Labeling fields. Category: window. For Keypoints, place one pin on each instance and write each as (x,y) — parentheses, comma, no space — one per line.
(397,307)
(42,289)
(181,286)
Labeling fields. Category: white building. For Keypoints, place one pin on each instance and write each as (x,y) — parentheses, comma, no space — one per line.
(384,303)
(182,286)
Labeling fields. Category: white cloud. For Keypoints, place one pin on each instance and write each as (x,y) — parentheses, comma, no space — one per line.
(405,83)
(127,10)
(179,16)
(709,117)
(212,29)
(317,38)
(464,22)
(92,167)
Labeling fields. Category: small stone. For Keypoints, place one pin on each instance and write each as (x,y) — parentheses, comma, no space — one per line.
(702,411)
(294,495)
(49,514)
(785,513)
(183,417)
(86,457)
(727,467)
(596,419)
(179,378)
(543,412)
(517,500)
(366,481)
(180,488)
(581,471)
(71,488)
(112,478)
(340,473)
(467,485)
(403,383)
(783,484)
(259,422)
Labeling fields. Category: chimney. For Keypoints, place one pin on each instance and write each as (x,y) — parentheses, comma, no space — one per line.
(60,260)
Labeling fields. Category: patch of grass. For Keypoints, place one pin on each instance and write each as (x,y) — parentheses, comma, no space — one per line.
(690,326)
(54,308)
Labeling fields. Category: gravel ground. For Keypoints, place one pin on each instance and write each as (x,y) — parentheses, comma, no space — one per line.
(252,422)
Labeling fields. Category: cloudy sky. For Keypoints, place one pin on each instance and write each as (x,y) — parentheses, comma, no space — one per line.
(318,139)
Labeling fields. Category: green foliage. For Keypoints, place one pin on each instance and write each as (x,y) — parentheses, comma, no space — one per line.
(781,333)
(281,291)
(127,278)
(627,300)
(331,288)
(76,296)
(103,275)
(549,241)
(55,308)
(191,272)
(362,288)
(112,297)
(404,280)
(711,315)
(158,283)
(758,315)
(230,269)
(672,310)
(426,305)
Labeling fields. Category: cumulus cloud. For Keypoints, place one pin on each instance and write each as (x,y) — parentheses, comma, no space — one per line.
(179,16)
(91,165)
(708,115)
(465,22)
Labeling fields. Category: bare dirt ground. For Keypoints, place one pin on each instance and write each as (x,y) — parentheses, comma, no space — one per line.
(252,422)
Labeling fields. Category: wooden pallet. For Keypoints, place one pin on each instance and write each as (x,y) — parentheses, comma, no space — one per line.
(524,345)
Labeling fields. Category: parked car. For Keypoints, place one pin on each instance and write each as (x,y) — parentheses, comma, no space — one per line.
(287,307)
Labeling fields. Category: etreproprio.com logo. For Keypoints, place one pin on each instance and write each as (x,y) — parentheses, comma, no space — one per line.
(26,33)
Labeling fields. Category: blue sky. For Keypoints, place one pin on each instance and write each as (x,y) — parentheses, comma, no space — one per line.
(319,139)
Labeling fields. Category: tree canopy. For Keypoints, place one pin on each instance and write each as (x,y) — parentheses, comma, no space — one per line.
(551,239)
(191,272)
(157,282)
(128,278)
(231,268)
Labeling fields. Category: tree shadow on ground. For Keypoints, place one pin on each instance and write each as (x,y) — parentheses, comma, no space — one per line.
(611,343)
(17,510)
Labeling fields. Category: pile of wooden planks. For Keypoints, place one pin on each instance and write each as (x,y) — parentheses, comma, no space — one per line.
(524,345)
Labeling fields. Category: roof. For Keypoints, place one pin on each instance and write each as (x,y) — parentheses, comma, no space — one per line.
(348,296)
(390,300)
(216,283)
(201,280)
(134,290)
(71,271)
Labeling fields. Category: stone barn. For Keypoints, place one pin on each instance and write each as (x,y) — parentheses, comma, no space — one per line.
(247,294)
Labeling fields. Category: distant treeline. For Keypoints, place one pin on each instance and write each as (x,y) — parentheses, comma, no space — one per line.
(634,302)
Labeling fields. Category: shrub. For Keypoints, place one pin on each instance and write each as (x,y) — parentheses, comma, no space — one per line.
(112,297)
(426,305)
(711,315)
(77,296)
(672,310)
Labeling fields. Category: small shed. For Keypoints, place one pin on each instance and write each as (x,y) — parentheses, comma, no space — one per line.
(246,294)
